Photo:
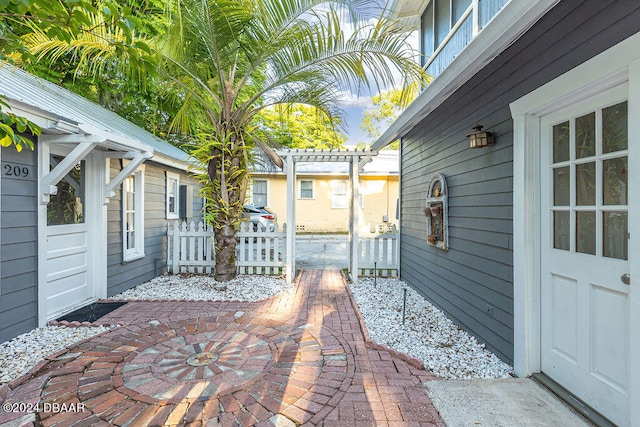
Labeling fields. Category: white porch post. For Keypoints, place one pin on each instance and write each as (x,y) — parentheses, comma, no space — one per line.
(290,269)
(354,220)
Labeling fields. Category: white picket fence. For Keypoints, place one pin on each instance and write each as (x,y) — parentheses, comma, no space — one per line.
(261,251)
(379,252)
(190,249)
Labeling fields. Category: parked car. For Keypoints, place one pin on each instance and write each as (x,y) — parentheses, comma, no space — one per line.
(260,216)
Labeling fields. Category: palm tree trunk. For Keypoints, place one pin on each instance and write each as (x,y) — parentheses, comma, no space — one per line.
(229,177)
(225,241)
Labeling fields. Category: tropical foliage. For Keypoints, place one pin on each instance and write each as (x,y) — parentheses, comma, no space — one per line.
(13,127)
(387,106)
(301,126)
(230,59)
(59,25)
(224,66)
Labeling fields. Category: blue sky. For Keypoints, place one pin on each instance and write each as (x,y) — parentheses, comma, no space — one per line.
(355,105)
(355,113)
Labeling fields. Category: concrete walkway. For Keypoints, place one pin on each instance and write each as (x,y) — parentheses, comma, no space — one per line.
(505,403)
(322,251)
(300,358)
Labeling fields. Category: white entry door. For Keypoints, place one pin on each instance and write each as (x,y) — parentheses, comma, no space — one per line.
(584,251)
(68,268)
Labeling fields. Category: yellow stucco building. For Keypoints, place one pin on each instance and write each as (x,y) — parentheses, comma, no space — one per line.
(322,195)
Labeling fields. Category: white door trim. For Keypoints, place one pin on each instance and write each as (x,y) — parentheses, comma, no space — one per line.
(634,246)
(611,68)
(43,168)
(96,214)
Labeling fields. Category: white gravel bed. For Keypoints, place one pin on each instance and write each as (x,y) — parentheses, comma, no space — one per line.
(204,287)
(445,349)
(427,334)
(25,351)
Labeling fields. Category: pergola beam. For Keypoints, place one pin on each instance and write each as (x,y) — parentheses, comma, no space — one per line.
(356,159)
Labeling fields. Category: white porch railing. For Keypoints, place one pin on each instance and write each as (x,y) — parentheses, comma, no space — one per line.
(190,249)
(379,252)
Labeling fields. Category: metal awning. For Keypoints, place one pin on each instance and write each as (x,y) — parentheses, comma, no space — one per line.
(84,139)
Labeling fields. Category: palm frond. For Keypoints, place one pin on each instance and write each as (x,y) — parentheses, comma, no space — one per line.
(96,49)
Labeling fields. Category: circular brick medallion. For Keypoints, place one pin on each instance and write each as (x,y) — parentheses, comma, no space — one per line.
(203,369)
(202,359)
(203,364)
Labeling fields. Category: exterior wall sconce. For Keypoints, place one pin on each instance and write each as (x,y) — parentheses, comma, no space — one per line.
(479,138)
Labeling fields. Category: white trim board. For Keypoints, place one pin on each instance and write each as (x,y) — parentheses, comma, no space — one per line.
(612,68)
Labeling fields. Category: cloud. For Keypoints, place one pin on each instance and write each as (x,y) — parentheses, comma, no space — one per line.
(350,99)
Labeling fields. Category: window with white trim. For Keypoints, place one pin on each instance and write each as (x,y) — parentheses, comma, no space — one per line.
(447,27)
(439,19)
(173,195)
(260,192)
(307,189)
(133,216)
(339,194)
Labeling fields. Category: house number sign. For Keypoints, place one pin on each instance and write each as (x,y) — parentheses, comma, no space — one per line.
(15,170)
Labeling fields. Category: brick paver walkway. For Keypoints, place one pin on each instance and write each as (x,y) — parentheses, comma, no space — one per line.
(299,358)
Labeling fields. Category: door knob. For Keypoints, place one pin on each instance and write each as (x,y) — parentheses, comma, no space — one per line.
(626,279)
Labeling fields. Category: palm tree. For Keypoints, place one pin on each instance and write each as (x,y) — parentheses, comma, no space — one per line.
(223,61)
(229,59)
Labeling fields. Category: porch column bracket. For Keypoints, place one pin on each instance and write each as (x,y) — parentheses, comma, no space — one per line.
(124,173)
(366,159)
(50,180)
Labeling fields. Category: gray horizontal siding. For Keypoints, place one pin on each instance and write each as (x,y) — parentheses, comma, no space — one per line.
(125,275)
(18,246)
(476,275)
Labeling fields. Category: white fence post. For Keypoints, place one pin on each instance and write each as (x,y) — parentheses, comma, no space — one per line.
(176,249)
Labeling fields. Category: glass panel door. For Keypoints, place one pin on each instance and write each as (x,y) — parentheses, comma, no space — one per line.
(68,204)
(589,177)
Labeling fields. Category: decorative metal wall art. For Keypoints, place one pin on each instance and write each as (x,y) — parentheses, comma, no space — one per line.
(437,212)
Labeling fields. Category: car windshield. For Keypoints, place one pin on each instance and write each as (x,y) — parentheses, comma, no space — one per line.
(256,209)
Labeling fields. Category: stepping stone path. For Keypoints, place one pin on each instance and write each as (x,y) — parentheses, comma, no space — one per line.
(302,358)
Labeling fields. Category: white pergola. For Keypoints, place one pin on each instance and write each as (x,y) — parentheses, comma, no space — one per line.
(356,159)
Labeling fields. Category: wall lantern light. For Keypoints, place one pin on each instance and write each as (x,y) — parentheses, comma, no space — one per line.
(480,138)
